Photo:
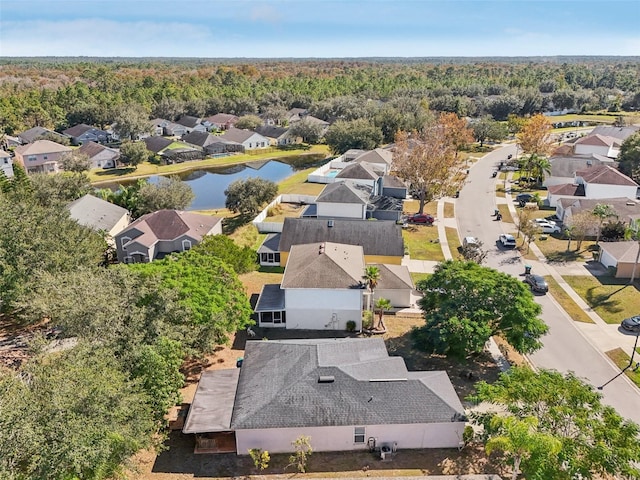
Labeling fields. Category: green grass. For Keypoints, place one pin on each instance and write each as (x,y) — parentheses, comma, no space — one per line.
(567,303)
(297,183)
(554,248)
(621,359)
(506,214)
(416,276)
(609,297)
(454,240)
(590,117)
(412,206)
(422,243)
(177,145)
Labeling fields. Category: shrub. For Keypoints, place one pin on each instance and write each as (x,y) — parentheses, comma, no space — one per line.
(351,326)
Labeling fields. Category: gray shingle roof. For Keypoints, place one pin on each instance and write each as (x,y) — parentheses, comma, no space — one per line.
(376,238)
(621,133)
(390,181)
(279,388)
(237,135)
(324,265)
(271,298)
(394,277)
(188,121)
(157,144)
(345,192)
(605,175)
(96,213)
(270,244)
(271,131)
(362,170)
(31,135)
(201,139)
(623,252)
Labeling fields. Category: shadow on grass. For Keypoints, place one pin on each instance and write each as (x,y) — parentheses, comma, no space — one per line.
(565,256)
(231,224)
(115,172)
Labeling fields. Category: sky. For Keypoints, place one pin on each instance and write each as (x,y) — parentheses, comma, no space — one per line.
(318,28)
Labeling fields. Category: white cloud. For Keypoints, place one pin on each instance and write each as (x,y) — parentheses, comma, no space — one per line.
(265,13)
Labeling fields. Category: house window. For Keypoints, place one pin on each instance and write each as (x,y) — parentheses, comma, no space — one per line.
(249,144)
(358,435)
(124,241)
(45,157)
(32,158)
(186,245)
(266,317)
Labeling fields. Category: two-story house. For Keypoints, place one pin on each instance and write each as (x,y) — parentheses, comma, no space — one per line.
(41,156)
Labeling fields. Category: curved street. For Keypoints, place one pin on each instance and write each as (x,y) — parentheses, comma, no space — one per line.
(566,347)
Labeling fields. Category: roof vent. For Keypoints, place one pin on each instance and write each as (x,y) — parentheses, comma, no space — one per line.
(330,223)
(326,379)
(589,163)
(321,249)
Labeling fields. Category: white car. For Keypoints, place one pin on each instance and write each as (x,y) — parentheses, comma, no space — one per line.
(546,227)
(544,220)
(507,240)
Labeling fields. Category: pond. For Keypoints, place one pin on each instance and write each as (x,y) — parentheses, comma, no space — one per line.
(209,184)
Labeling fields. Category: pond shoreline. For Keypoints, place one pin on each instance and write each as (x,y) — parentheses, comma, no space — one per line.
(198,165)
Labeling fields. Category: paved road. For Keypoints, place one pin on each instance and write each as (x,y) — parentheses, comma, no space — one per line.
(565,347)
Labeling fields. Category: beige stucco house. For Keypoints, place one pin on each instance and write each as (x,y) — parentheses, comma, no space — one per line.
(41,156)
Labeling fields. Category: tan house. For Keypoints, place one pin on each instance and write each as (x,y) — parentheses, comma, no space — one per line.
(622,256)
(41,156)
(157,234)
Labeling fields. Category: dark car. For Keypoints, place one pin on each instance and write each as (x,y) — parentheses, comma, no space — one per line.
(537,283)
(421,218)
(524,197)
(631,324)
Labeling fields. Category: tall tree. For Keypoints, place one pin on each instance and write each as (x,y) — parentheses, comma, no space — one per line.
(535,136)
(249,122)
(596,441)
(168,193)
(629,157)
(134,153)
(248,196)
(488,129)
(371,278)
(63,187)
(75,162)
(458,133)
(465,303)
(427,161)
(633,233)
(131,121)
(346,134)
(602,212)
(241,259)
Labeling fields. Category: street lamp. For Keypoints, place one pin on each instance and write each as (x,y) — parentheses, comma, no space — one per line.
(633,352)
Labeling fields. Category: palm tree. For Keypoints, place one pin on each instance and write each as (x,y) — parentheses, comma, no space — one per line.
(602,211)
(371,278)
(382,305)
(539,167)
(633,233)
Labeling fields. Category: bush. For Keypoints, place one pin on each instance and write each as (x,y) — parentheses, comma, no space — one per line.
(351,326)
(367,319)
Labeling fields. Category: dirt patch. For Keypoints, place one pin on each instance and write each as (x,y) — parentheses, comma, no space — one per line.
(15,341)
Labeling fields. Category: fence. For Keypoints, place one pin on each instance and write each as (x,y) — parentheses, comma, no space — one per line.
(276,227)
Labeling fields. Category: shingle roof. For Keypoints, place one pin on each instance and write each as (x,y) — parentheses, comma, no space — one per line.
(345,192)
(4,154)
(376,238)
(567,189)
(270,243)
(31,135)
(271,131)
(324,265)
(621,133)
(188,121)
(379,155)
(271,298)
(157,144)
(91,149)
(78,130)
(42,146)
(623,252)
(391,181)
(598,140)
(605,175)
(394,277)
(169,225)
(279,387)
(360,171)
(201,139)
(237,135)
(220,118)
(96,213)
(626,208)
(566,166)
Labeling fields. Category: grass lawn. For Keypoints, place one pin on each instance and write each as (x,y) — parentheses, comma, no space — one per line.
(609,297)
(621,359)
(554,247)
(147,169)
(297,183)
(454,241)
(590,117)
(284,210)
(576,313)
(506,214)
(449,210)
(416,276)
(253,281)
(422,243)
(412,206)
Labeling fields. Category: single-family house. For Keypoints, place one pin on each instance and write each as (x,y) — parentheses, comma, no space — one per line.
(161,126)
(394,284)
(220,121)
(221,145)
(36,133)
(598,145)
(248,139)
(6,164)
(296,114)
(199,139)
(379,156)
(82,133)
(621,256)
(363,173)
(157,234)
(392,186)
(597,182)
(564,167)
(99,155)
(621,133)
(41,156)
(345,394)
(99,215)
(346,199)
(278,136)
(192,124)
(382,242)
(157,144)
(321,289)
(626,209)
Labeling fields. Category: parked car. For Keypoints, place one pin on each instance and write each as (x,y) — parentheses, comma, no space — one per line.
(537,283)
(631,324)
(507,240)
(544,220)
(470,242)
(524,197)
(421,218)
(546,227)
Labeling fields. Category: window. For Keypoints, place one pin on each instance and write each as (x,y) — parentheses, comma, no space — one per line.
(32,158)
(45,158)
(186,245)
(358,436)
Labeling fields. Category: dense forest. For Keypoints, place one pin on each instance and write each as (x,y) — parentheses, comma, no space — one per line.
(58,93)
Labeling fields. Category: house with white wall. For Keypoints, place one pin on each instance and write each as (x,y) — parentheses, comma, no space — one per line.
(99,155)
(564,167)
(100,215)
(6,164)
(345,394)
(596,144)
(248,139)
(347,199)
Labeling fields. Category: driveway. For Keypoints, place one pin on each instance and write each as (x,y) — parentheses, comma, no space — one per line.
(566,347)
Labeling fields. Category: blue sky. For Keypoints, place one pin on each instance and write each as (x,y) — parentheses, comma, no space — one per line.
(318,28)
